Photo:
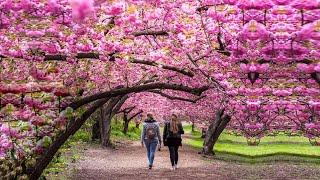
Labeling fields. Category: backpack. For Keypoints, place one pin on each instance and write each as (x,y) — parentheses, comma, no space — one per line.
(151,132)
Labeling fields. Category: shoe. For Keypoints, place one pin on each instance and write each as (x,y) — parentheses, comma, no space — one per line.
(173,168)
(150,166)
(176,166)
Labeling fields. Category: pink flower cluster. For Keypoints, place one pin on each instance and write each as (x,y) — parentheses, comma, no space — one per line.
(260,68)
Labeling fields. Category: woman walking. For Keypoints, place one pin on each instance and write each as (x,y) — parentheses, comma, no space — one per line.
(150,136)
(172,138)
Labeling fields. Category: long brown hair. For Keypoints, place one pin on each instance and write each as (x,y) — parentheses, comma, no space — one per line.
(174,122)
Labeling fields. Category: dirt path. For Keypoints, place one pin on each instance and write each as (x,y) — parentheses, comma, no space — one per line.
(129,162)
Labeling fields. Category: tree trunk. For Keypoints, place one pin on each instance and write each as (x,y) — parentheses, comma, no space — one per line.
(192,126)
(96,127)
(203,133)
(96,131)
(127,119)
(225,120)
(106,131)
(105,121)
(110,110)
(46,158)
(125,123)
(214,131)
(208,143)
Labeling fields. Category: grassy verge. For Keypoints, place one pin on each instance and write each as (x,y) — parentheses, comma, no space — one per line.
(117,131)
(277,148)
(69,153)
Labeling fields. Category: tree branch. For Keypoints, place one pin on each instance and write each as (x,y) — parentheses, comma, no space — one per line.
(43,162)
(126,110)
(153,79)
(202,8)
(137,89)
(222,46)
(152,33)
(175,97)
(172,68)
(110,25)
(135,115)
(59,57)
(218,85)
(119,104)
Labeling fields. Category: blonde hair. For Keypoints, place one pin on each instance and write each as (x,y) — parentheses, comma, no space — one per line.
(174,122)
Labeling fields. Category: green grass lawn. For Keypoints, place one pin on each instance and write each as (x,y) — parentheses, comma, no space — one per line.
(281,145)
(117,131)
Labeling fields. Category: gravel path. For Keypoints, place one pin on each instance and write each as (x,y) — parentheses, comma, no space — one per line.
(128,161)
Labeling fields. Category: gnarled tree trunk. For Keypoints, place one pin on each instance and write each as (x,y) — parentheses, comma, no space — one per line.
(214,131)
(203,133)
(109,111)
(126,120)
(137,125)
(106,131)
(43,162)
(96,131)
(125,123)
(192,126)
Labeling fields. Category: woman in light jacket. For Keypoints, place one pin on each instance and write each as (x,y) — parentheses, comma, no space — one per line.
(150,137)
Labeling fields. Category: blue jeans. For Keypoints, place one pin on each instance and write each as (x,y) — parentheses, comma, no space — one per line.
(151,146)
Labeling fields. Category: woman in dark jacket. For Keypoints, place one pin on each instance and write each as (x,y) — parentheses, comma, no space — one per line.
(172,138)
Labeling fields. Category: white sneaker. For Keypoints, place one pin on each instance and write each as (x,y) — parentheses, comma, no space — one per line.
(176,166)
(173,168)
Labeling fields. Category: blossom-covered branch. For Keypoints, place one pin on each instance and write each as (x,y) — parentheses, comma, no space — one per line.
(172,68)
(176,97)
(151,33)
(136,89)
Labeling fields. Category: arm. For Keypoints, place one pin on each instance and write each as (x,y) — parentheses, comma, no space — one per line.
(158,133)
(164,132)
(181,131)
(143,133)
